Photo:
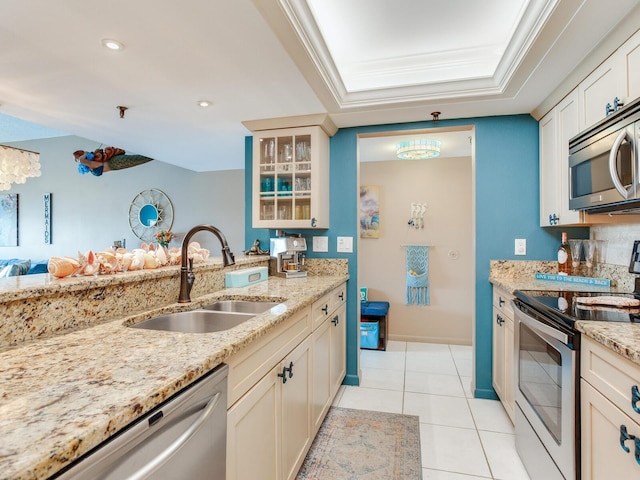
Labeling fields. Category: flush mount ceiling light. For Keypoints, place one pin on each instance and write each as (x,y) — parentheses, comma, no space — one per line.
(204,103)
(16,165)
(418,149)
(112,44)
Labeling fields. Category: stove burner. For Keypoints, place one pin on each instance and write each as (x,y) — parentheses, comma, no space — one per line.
(562,307)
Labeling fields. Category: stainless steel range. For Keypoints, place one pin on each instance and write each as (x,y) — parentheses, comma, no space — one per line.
(547,394)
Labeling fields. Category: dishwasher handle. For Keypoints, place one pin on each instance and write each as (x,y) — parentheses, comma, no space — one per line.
(172,449)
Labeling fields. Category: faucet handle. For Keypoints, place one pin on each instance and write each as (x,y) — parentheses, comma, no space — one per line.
(190,260)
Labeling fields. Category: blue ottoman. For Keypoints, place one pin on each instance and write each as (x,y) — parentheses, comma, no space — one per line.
(374,312)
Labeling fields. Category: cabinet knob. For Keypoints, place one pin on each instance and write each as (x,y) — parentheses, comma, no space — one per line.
(500,301)
(325,309)
(283,375)
(341,296)
(499,319)
(608,110)
(290,369)
(335,320)
(314,222)
(635,398)
(617,103)
(553,219)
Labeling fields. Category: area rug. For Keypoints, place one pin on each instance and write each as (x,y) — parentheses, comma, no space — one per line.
(364,445)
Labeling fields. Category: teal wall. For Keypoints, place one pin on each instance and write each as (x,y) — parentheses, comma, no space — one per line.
(506,207)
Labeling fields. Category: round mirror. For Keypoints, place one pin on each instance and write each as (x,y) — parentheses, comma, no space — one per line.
(148,215)
(150,212)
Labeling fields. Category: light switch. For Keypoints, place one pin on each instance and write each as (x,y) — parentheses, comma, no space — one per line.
(521,246)
(320,244)
(345,244)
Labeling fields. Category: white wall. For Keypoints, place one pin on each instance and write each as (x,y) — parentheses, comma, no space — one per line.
(91,212)
(445,185)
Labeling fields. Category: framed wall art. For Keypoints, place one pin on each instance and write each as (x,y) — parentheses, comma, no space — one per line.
(9,220)
(369,211)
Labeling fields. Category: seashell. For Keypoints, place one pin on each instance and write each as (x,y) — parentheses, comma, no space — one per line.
(150,261)
(121,251)
(137,261)
(125,261)
(175,256)
(197,257)
(144,246)
(62,267)
(161,255)
(108,262)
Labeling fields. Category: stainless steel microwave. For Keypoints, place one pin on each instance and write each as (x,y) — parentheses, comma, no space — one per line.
(604,175)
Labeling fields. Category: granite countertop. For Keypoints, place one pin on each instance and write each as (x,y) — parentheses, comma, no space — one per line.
(622,338)
(62,396)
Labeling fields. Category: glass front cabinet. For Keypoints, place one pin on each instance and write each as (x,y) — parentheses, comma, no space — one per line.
(291,178)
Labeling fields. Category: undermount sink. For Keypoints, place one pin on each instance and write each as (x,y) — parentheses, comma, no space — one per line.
(196,321)
(241,306)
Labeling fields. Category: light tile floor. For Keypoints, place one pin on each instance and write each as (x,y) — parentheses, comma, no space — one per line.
(462,438)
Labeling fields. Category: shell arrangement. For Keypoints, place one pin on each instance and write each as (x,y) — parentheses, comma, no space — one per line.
(110,261)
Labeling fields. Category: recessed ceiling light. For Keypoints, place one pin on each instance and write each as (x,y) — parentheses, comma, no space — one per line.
(204,103)
(112,44)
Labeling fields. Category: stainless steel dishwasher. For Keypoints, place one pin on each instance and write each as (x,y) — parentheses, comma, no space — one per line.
(185,437)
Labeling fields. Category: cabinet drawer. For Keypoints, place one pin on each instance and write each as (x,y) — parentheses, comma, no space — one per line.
(502,301)
(326,305)
(248,366)
(614,376)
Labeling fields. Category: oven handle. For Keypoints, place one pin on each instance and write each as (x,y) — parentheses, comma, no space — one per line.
(541,327)
(622,136)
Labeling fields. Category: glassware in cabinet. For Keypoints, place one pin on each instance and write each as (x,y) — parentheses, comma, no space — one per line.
(292,178)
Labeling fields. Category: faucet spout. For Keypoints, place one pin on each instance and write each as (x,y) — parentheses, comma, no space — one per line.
(187,277)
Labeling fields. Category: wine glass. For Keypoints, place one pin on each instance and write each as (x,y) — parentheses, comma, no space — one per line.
(576,252)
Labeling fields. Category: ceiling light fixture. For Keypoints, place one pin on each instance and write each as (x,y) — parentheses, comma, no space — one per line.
(418,149)
(204,103)
(112,44)
(16,165)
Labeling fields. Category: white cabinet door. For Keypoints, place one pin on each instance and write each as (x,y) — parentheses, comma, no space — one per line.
(549,181)
(498,371)
(600,88)
(253,432)
(296,408)
(338,327)
(603,456)
(630,58)
(556,129)
(322,384)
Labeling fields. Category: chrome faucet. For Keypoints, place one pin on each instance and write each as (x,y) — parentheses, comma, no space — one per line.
(186,273)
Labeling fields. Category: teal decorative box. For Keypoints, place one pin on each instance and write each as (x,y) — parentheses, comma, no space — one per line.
(246,276)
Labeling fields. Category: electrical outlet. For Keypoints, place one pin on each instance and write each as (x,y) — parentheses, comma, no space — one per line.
(345,244)
(320,244)
(521,246)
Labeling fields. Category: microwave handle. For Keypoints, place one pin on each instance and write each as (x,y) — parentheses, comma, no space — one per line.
(622,136)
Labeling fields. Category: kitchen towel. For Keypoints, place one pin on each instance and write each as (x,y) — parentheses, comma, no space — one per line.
(417,275)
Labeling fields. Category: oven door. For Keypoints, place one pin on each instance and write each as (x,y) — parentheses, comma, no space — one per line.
(545,397)
(603,172)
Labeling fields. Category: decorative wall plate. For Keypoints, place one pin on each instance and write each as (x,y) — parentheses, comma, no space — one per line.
(150,212)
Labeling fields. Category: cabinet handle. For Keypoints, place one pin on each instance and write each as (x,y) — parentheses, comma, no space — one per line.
(500,301)
(617,103)
(608,109)
(335,321)
(325,309)
(553,219)
(499,320)
(283,375)
(635,398)
(290,369)
(624,436)
(341,296)
(314,222)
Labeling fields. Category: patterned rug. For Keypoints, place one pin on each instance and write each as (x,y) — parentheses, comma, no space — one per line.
(363,445)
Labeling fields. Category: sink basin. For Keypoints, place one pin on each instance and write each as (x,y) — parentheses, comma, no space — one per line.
(196,321)
(241,306)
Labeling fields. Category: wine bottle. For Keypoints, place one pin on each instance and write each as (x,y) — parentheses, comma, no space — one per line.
(564,256)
